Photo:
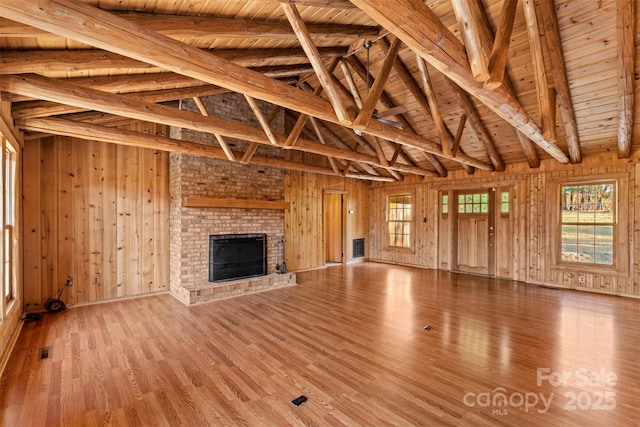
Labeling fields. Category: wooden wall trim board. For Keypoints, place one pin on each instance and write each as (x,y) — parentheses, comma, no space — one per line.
(210,202)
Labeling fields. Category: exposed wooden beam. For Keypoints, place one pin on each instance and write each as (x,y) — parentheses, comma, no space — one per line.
(528,147)
(248,154)
(415,90)
(353,88)
(327,134)
(302,118)
(261,119)
(128,83)
(419,28)
(500,49)
(445,137)
(7,127)
(324,76)
(117,104)
(223,143)
(469,28)
(369,104)
(194,27)
(76,20)
(43,62)
(456,141)
(335,4)
(539,70)
(472,116)
(91,132)
(32,109)
(407,78)
(385,99)
(626,56)
(332,161)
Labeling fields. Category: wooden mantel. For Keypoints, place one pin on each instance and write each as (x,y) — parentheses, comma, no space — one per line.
(210,202)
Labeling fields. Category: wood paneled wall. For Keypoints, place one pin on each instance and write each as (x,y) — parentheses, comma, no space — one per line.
(529,253)
(304,225)
(94,210)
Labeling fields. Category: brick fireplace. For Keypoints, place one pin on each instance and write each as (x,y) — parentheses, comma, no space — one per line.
(190,227)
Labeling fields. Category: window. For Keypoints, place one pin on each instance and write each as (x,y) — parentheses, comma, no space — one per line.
(587,217)
(504,202)
(473,203)
(445,204)
(9,213)
(399,218)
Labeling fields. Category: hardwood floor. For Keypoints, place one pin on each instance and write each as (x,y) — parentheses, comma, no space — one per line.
(352,340)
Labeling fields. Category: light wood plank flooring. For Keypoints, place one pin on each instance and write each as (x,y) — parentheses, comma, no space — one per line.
(352,340)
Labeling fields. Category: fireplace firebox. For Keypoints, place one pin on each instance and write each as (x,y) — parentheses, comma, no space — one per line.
(236,256)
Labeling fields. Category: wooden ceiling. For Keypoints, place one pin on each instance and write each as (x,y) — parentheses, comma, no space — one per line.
(474,84)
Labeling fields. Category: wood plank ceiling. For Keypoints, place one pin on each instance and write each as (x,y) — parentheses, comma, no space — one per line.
(372,89)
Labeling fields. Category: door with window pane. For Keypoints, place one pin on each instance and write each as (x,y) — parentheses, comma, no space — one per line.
(474,230)
(483,232)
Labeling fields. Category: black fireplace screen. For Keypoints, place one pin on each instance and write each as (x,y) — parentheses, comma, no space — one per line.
(235,256)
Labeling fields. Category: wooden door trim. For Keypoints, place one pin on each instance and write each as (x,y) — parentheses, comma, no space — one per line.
(343,221)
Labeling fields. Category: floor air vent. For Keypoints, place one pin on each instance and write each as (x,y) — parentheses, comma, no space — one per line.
(44,353)
(358,248)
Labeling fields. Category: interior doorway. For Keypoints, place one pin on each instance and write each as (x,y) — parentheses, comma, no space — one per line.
(334,227)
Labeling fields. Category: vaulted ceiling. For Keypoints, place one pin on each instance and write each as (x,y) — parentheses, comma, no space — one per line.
(379,89)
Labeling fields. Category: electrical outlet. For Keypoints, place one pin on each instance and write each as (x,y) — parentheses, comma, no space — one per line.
(96,280)
(581,279)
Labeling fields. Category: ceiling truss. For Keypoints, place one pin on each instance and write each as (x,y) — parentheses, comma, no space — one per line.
(318,79)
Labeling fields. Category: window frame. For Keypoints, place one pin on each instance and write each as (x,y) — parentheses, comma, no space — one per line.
(410,221)
(613,224)
(9,220)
